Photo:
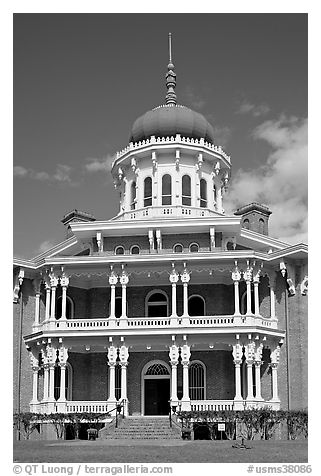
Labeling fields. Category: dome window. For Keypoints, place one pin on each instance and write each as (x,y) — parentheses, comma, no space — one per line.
(119,250)
(148,192)
(203,190)
(178,248)
(186,190)
(133,196)
(166,190)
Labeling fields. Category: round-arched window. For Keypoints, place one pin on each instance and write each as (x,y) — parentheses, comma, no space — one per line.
(133,196)
(157,304)
(157,369)
(148,186)
(196,306)
(246,223)
(196,381)
(119,250)
(194,247)
(261,226)
(203,193)
(135,250)
(178,248)
(186,190)
(166,189)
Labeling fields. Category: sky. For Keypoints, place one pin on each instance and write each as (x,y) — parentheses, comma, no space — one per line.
(81,80)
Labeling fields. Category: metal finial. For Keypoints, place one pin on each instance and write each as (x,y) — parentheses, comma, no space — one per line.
(170,76)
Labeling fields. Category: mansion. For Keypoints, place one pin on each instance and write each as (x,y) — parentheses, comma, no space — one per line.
(172,301)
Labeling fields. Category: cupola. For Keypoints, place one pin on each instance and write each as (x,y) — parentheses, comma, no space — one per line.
(172,166)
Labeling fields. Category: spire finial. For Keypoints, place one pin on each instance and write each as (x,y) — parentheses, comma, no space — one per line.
(170,76)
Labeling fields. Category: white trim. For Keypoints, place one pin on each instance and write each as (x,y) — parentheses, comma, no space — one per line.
(133,246)
(118,247)
(145,377)
(191,244)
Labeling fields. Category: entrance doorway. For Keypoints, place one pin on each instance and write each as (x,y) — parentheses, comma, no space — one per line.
(155,388)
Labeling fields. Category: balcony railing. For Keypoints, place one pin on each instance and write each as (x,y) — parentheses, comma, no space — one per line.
(228,321)
(211,405)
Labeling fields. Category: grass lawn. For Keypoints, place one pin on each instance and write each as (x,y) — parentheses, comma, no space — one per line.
(175,451)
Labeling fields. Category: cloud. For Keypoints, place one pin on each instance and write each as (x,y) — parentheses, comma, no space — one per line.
(98,165)
(256,110)
(19,171)
(192,98)
(45,246)
(282,182)
(60,175)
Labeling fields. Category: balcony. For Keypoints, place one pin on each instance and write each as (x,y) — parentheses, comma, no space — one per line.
(137,323)
(173,211)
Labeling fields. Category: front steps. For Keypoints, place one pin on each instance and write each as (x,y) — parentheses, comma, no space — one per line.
(142,428)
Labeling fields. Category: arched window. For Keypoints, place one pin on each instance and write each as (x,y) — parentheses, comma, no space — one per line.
(156,304)
(69,308)
(197,380)
(119,250)
(135,250)
(196,306)
(133,196)
(203,192)
(186,190)
(68,382)
(148,193)
(194,247)
(178,248)
(166,190)
(157,369)
(261,226)
(214,194)
(246,223)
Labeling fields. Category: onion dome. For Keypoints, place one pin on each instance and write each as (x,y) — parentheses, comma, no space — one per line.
(171,118)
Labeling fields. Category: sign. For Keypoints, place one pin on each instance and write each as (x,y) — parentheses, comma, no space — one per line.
(221,426)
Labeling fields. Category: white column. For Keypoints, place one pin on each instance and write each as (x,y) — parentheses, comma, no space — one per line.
(51,396)
(124,279)
(123,357)
(258,363)
(249,356)
(64,281)
(48,291)
(185,278)
(112,281)
(35,370)
(237,357)
(174,277)
(112,357)
(185,355)
(45,382)
(54,283)
(236,276)
(256,282)
(275,357)
(63,356)
(272,297)
(174,355)
(248,277)
(37,308)
(219,199)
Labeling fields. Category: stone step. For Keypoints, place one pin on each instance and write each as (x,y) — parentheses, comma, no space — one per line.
(142,428)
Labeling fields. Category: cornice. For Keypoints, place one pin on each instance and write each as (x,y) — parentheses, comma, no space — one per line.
(264,239)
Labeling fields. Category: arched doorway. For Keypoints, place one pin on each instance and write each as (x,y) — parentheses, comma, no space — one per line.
(155,388)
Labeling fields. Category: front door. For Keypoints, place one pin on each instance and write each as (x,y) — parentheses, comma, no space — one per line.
(157,396)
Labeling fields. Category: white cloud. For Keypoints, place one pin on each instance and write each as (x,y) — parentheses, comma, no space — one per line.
(98,165)
(192,98)
(282,182)
(61,174)
(45,246)
(256,110)
(19,171)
